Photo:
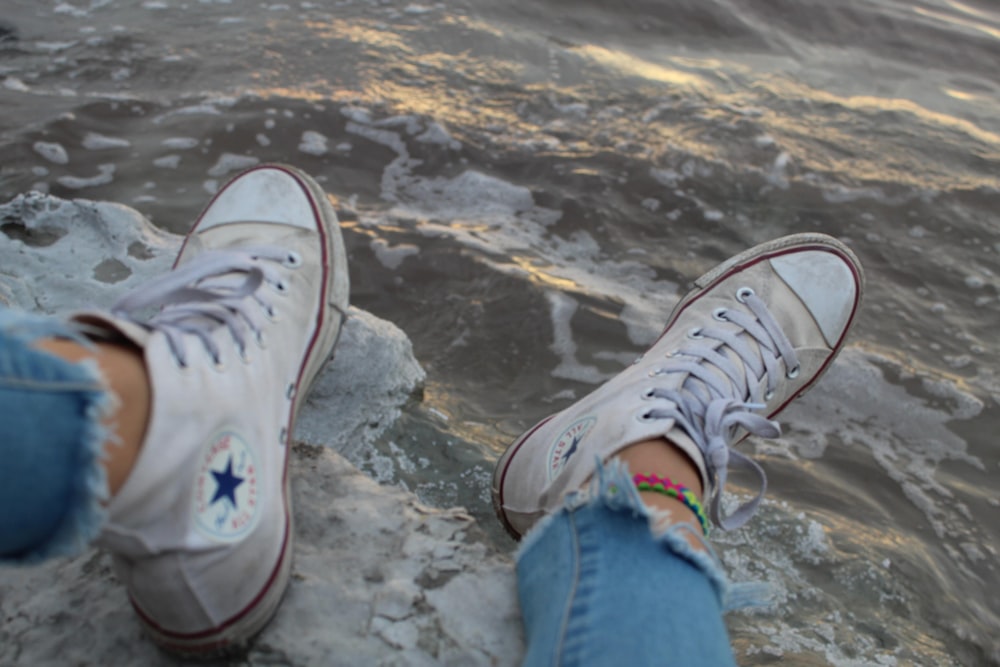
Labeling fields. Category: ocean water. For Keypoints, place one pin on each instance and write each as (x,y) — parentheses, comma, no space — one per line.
(528,187)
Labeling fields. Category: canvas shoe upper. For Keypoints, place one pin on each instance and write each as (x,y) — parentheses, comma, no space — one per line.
(754,333)
(201,531)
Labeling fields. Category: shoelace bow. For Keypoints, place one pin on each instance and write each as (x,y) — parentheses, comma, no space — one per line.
(205,293)
(710,407)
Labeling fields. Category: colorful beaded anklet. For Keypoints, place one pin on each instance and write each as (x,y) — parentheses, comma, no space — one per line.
(677,491)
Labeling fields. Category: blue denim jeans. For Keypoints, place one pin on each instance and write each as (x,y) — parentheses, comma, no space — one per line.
(599,586)
(52,483)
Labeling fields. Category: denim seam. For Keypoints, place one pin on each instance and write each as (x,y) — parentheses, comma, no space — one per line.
(573,647)
(568,609)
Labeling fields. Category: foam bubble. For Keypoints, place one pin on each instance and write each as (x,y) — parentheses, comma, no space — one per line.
(179,143)
(66,8)
(763,141)
(665,177)
(437,134)
(392,256)
(313,143)
(167,161)
(778,175)
(230,162)
(54,47)
(357,114)
(562,307)
(51,151)
(105,174)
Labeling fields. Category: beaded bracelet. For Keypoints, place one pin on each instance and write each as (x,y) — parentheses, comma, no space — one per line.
(677,491)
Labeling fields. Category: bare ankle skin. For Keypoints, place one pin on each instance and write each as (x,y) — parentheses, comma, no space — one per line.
(660,457)
(124,372)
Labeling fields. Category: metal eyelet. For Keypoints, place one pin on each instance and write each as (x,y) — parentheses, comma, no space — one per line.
(293,260)
(290,392)
(656,372)
(648,395)
(720,314)
(695,333)
(644,417)
(768,396)
(218,365)
(794,373)
(280,287)
(244,356)
(742,294)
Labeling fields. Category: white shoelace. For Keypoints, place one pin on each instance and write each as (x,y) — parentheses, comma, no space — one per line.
(710,407)
(209,291)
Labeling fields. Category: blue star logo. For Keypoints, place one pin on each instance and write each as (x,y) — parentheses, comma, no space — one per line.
(572,448)
(226,484)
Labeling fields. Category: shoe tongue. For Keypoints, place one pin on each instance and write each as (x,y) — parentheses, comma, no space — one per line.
(100,326)
(686,444)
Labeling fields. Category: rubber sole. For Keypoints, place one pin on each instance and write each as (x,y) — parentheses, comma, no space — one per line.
(496,485)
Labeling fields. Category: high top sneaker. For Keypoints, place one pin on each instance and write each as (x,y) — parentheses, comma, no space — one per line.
(201,532)
(754,333)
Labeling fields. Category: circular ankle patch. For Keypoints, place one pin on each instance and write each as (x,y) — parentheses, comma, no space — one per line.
(567,444)
(225,493)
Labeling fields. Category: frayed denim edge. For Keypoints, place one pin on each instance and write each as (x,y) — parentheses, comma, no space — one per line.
(612,485)
(86,511)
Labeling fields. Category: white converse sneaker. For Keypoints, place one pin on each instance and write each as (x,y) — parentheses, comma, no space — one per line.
(755,332)
(202,529)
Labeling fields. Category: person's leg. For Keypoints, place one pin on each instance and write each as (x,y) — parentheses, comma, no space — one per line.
(615,572)
(208,388)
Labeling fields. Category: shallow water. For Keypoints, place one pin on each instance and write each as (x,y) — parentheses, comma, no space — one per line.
(528,187)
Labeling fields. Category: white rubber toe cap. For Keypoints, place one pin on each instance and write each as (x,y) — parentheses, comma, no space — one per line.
(265,194)
(826,285)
